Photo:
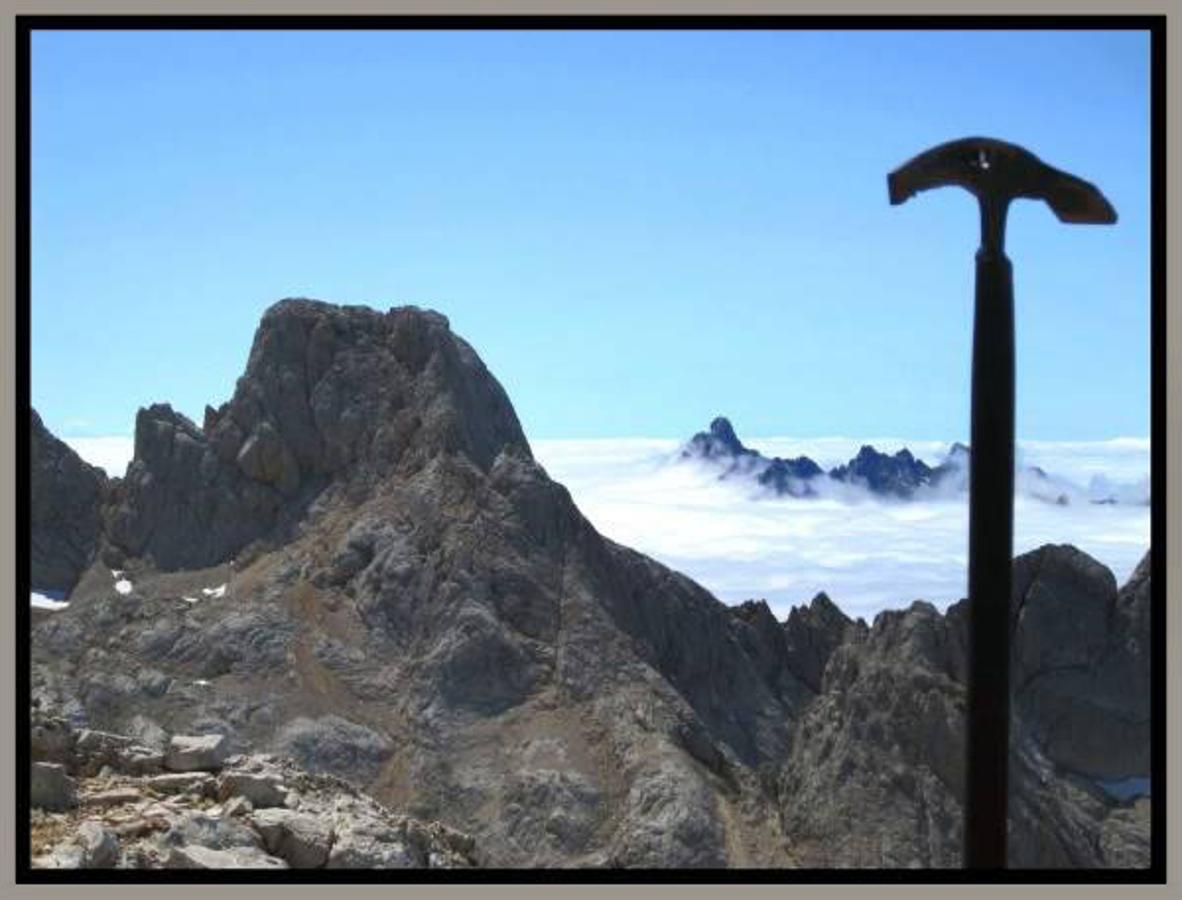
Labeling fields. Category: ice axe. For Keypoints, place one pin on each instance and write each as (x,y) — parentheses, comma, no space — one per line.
(995,172)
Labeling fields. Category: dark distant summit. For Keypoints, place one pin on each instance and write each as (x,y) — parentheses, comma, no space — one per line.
(721,445)
(884,475)
(720,442)
(899,475)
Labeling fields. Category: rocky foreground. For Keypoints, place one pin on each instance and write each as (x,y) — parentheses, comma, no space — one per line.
(102,800)
(356,564)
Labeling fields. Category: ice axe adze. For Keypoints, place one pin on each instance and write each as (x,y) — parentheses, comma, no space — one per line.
(995,172)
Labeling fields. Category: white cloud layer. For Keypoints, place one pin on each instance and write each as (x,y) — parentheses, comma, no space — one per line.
(867,554)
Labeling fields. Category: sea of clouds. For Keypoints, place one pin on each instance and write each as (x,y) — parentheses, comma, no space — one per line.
(867,553)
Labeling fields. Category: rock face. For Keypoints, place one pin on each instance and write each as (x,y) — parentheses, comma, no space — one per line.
(1081,668)
(341,395)
(195,753)
(875,776)
(356,562)
(66,498)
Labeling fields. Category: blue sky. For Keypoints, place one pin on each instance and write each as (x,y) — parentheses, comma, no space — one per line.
(636,231)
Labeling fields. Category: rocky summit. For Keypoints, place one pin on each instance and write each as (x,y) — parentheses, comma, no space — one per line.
(721,446)
(355,565)
(898,476)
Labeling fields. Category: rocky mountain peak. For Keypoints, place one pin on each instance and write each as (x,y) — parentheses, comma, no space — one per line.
(719,442)
(722,430)
(331,396)
(898,475)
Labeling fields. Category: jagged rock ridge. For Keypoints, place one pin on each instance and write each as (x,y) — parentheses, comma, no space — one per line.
(900,475)
(357,562)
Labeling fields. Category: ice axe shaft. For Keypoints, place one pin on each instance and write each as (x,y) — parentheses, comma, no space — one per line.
(995,172)
(991,516)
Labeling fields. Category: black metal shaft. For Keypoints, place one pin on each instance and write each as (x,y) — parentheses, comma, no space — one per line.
(991,509)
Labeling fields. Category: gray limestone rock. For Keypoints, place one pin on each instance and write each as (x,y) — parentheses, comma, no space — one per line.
(189,753)
(261,790)
(302,840)
(1081,662)
(50,787)
(100,847)
(199,857)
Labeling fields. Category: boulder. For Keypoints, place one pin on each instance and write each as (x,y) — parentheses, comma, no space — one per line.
(261,790)
(100,846)
(190,753)
(51,739)
(51,787)
(303,841)
(371,845)
(94,749)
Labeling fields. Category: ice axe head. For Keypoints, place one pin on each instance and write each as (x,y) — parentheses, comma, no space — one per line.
(996,172)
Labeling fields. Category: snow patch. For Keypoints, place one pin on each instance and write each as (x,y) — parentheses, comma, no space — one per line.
(219,591)
(47,600)
(123,586)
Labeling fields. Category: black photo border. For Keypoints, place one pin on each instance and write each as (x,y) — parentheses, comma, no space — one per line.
(1154,25)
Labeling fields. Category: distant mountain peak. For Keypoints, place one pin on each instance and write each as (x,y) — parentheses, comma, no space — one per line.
(722,431)
(721,445)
